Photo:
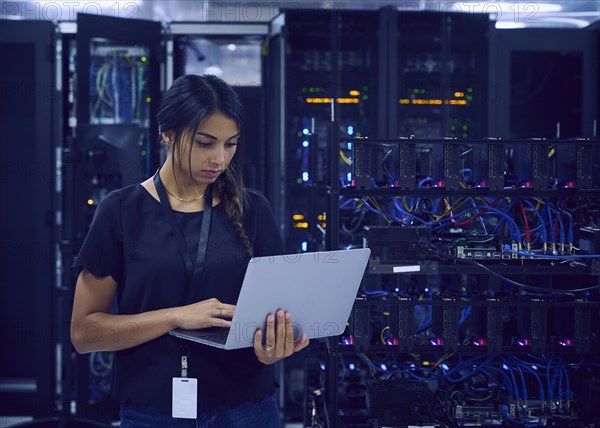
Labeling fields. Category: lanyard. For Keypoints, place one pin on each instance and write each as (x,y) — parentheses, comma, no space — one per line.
(191,269)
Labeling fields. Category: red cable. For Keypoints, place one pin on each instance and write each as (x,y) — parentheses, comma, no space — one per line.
(464,223)
(527,235)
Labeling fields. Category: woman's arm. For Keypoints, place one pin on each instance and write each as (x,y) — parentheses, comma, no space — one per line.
(94,329)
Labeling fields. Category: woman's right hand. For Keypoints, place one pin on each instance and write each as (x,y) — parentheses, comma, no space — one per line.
(204,314)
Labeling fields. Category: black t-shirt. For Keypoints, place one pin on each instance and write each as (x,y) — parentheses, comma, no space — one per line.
(131,240)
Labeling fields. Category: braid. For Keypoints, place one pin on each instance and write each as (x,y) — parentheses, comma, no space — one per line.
(233,194)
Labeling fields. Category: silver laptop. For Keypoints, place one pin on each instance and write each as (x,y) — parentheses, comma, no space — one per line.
(317,289)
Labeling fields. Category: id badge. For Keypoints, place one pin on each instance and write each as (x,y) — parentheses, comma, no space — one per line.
(185,398)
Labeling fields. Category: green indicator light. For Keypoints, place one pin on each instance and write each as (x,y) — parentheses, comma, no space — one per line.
(148,99)
(317,89)
(365,88)
(358,134)
(311,90)
(415,91)
(299,133)
(143,59)
(465,127)
(469,90)
(452,128)
(143,153)
(464,135)
(299,180)
(365,97)
(469,98)
(422,91)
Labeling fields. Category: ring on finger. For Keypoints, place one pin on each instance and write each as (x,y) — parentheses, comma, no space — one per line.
(220,313)
(269,347)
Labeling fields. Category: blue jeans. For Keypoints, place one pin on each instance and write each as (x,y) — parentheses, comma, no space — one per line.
(262,414)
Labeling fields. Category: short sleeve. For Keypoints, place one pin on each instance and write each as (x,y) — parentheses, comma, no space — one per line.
(268,240)
(102,249)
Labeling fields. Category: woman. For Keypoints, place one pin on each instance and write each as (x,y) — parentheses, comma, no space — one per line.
(174,250)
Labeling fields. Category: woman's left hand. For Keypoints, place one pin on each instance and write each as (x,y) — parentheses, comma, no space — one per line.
(279,341)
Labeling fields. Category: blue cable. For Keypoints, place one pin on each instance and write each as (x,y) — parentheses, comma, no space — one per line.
(533,372)
(514,228)
(568,382)
(423,181)
(436,203)
(560,222)
(397,205)
(516,389)
(560,382)
(485,232)
(539,380)
(533,231)
(349,201)
(516,421)
(550,384)
(508,383)
(464,315)
(507,210)
(396,219)
(550,225)
(525,395)
(544,256)
(570,233)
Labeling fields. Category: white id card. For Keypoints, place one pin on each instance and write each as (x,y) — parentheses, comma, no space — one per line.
(185,398)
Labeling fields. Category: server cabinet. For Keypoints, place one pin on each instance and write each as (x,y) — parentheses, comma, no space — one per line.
(29,118)
(397,74)
(546,83)
(113,73)
(319,61)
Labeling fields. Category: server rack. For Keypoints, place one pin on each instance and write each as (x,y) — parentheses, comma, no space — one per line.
(112,76)
(399,74)
(565,70)
(30,118)
(302,83)
(384,321)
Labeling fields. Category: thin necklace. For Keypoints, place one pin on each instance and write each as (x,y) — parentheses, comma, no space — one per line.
(185,200)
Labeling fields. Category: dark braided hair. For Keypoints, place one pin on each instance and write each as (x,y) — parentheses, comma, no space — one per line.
(190,99)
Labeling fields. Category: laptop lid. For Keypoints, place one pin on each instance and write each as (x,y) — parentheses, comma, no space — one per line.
(318,289)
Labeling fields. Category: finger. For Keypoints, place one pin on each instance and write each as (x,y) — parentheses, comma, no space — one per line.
(225,310)
(270,340)
(258,348)
(289,334)
(280,343)
(301,343)
(223,323)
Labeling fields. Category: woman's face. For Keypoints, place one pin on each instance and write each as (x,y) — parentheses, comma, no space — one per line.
(212,148)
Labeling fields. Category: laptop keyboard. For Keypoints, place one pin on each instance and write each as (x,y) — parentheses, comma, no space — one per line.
(214,334)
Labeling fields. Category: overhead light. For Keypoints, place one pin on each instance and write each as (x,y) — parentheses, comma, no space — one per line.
(231,47)
(570,22)
(509,25)
(84,3)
